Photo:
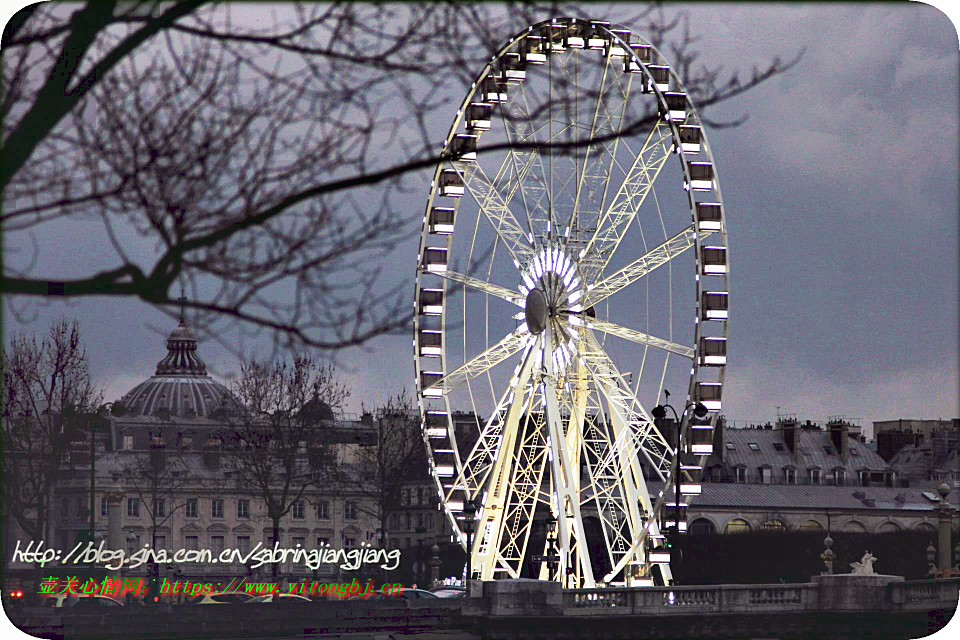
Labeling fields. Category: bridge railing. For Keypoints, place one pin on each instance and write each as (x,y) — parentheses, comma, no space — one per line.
(694,599)
(921,595)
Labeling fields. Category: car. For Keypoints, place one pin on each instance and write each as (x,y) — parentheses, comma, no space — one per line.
(222,597)
(449,592)
(283,597)
(80,602)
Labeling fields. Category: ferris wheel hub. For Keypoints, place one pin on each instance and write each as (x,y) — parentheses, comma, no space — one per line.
(536,311)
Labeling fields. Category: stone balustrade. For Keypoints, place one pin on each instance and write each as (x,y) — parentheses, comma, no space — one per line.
(686,600)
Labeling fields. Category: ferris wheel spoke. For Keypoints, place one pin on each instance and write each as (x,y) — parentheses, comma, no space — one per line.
(640,338)
(495,207)
(483,362)
(594,179)
(607,487)
(656,257)
(654,447)
(510,296)
(638,182)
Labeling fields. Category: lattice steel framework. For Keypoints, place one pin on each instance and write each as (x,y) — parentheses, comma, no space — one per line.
(554,264)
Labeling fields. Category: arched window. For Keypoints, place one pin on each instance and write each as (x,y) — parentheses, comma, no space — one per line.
(737,525)
(702,527)
(888,527)
(926,527)
(854,527)
(811,525)
(774,525)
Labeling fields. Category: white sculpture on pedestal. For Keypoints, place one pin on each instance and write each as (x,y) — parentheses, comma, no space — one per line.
(865,565)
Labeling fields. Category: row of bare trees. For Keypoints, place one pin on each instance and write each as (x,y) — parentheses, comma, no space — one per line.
(279,440)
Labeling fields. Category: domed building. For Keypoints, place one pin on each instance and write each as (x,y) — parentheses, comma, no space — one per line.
(180,386)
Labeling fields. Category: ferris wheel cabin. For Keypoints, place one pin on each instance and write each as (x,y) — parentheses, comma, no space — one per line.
(709,216)
(690,135)
(451,183)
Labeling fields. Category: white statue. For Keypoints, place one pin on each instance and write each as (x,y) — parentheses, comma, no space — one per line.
(865,565)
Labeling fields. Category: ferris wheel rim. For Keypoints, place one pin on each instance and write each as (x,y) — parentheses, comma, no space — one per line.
(446,164)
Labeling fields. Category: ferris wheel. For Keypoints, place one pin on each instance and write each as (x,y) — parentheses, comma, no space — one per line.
(568,274)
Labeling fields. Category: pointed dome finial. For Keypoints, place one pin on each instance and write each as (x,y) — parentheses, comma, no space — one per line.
(182,358)
(182,300)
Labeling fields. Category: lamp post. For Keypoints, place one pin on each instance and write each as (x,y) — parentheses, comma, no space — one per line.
(659,413)
(131,543)
(421,565)
(470,510)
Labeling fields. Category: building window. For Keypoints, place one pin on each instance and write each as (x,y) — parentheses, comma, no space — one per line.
(827,449)
(429,521)
(193,543)
(737,525)
(741,474)
(765,475)
(323,542)
(790,476)
(754,446)
(160,508)
(419,495)
(350,511)
(133,543)
(730,446)
(395,522)
(774,525)
(323,510)
(302,447)
(420,520)
(243,544)
(408,522)
(814,476)
(839,476)
(161,542)
(298,510)
(864,478)
(104,506)
(191,508)
(216,507)
(349,543)
(299,542)
(133,507)
(778,446)
(216,545)
(243,508)
(404,498)
(128,442)
(186,440)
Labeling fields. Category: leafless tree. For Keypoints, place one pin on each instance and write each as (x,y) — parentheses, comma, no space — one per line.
(46,390)
(285,411)
(206,148)
(399,457)
(159,477)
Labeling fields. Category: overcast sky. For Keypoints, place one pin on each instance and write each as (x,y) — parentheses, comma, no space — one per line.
(841,195)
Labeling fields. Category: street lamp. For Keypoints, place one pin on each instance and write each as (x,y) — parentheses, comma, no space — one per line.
(421,566)
(659,413)
(470,510)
